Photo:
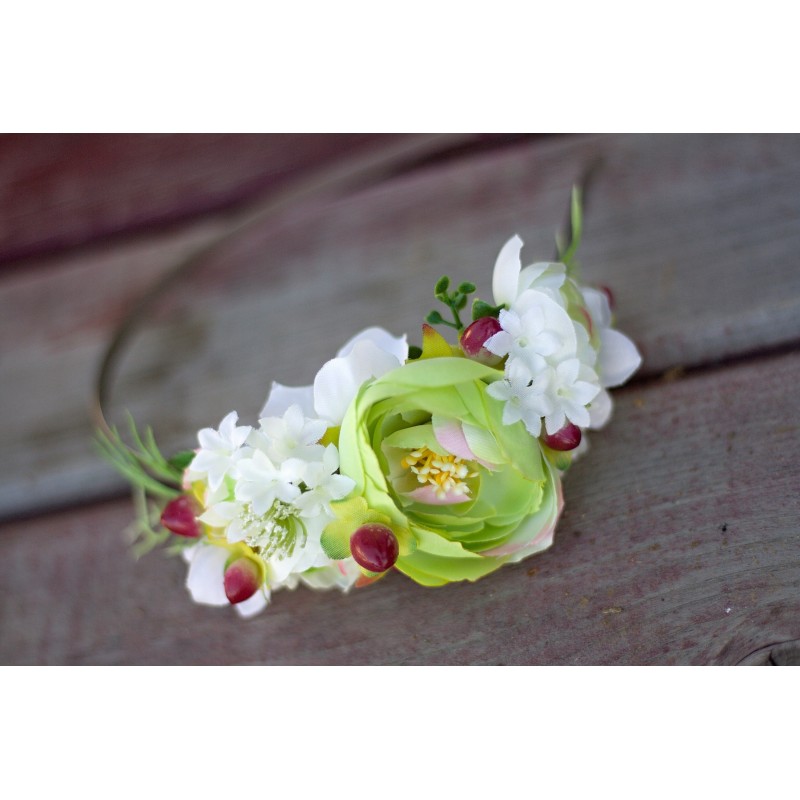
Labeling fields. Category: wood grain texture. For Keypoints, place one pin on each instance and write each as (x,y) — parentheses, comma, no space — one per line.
(679,545)
(62,190)
(697,236)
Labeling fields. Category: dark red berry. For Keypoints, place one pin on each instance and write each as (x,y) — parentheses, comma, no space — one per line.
(179,516)
(374,547)
(242,579)
(474,338)
(568,438)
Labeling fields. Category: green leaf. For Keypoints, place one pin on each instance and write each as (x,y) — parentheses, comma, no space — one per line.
(146,532)
(576,225)
(481,309)
(434,318)
(180,461)
(143,465)
(441,286)
(466,287)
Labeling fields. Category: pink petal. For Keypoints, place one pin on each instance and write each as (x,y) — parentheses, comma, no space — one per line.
(450,435)
(427,494)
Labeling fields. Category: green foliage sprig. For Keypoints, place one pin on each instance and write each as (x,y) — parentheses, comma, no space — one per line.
(456,301)
(143,464)
(146,533)
(567,252)
(154,478)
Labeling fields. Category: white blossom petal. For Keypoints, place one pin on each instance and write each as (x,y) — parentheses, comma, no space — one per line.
(253,605)
(341,574)
(338,382)
(219,451)
(600,410)
(598,306)
(505,279)
(382,339)
(618,358)
(555,421)
(543,276)
(281,397)
(205,580)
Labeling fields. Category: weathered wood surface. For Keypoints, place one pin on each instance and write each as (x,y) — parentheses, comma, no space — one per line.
(58,191)
(680,539)
(679,545)
(697,236)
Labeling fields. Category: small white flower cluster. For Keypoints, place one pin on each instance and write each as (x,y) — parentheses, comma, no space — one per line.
(557,367)
(271,488)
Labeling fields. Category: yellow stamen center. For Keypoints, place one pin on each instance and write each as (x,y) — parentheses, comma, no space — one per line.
(447,474)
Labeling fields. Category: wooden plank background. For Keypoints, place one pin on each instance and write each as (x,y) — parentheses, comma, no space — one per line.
(62,191)
(680,539)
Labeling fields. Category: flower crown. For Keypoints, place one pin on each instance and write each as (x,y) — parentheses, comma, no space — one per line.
(443,462)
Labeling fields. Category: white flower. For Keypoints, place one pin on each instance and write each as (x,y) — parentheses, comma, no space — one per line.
(618,357)
(527,397)
(369,354)
(261,483)
(323,484)
(509,280)
(570,392)
(293,435)
(279,509)
(287,542)
(600,410)
(340,574)
(539,331)
(219,451)
(281,397)
(206,580)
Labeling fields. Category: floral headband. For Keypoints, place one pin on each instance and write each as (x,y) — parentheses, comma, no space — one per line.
(442,462)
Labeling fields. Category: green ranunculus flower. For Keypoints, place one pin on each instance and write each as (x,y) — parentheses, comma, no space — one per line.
(431,457)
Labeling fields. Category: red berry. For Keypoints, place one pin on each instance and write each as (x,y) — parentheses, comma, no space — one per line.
(179,516)
(568,438)
(474,338)
(374,547)
(242,579)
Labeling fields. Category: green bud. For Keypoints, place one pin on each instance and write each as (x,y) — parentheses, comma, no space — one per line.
(434,318)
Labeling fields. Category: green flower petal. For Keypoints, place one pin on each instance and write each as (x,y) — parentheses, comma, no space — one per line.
(441,543)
